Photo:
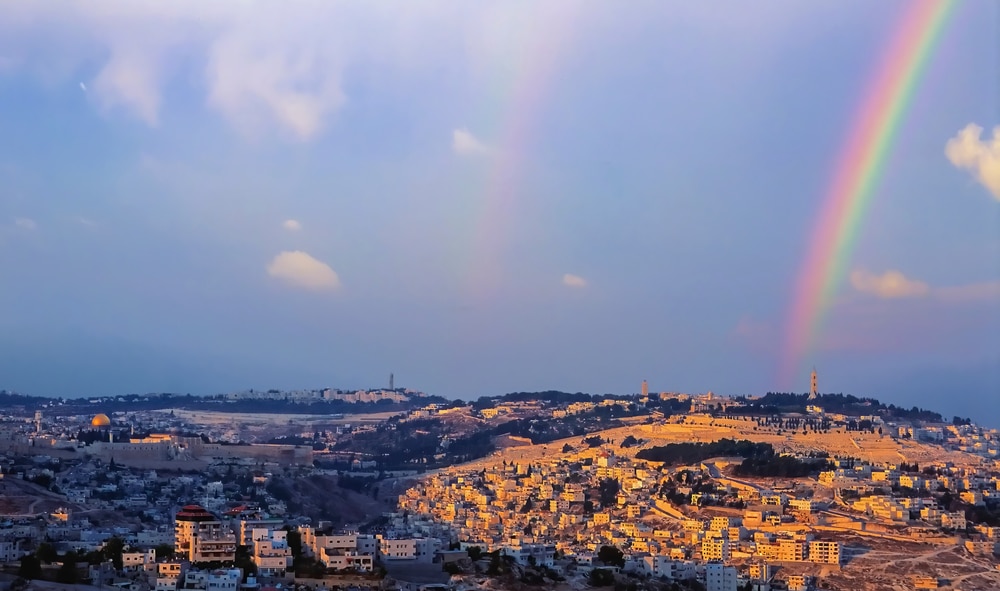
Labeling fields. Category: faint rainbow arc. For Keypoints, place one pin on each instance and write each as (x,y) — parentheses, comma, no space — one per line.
(545,42)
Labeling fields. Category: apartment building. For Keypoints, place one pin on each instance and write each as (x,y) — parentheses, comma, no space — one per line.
(716,549)
(271,553)
(719,577)
(824,552)
(419,549)
(133,561)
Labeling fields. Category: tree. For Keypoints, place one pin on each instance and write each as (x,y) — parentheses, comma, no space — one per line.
(494,568)
(611,555)
(601,577)
(244,560)
(46,553)
(294,539)
(609,488)
(113,550)
(31,567)
(67,572)
(164,552)
(475,553)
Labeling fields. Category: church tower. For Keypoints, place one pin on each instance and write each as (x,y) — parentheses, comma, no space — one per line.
(813,386)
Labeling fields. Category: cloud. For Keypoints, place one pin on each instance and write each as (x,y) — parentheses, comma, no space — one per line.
(571,280)
(291,225)
(895,285)
(465,144)
(971,292)
(130,80)
(25,223)
(302,270)
(265,66)
(262,67)
(253,77)
(980,157)
(888,285)
(84,221)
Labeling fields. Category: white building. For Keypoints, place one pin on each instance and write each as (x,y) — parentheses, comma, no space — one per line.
(271,553)
(11,551)
(525,554)
(133,561)
(223,580)
(664,566)
(419,549)
(719,577)
(168,574)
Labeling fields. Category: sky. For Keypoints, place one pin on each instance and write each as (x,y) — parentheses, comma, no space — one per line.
(487,197)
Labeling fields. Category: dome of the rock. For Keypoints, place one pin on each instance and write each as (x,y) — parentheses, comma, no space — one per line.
(100,420)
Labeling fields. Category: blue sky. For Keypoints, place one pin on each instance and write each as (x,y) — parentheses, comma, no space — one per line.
(484,197)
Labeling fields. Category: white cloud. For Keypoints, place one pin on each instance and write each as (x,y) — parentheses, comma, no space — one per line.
(254,76)
(889,285)
(25,223)
(895,285)
(264,66)
(302,270)
(980,157)
(291,225)
(465,144)
(279,65)
(571,280)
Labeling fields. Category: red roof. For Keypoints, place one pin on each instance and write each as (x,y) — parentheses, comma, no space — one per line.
(194,513)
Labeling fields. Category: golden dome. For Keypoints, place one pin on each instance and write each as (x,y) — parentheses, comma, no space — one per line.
(100,420)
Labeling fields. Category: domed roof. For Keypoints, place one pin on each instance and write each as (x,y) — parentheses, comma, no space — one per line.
(100,420)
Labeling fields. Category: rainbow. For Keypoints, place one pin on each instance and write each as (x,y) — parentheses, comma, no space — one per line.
(520,94)
(860,166)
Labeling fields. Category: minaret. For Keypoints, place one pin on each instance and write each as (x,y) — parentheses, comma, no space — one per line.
(392,382)
(645,389)
(813,387)
(38,421)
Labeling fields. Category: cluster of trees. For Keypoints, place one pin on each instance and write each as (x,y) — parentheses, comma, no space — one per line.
(31,564)
(688,453)
(358,484)
(793,423)
(781,467)
(608,489)
(549,396)
(785,402)
(137,402)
